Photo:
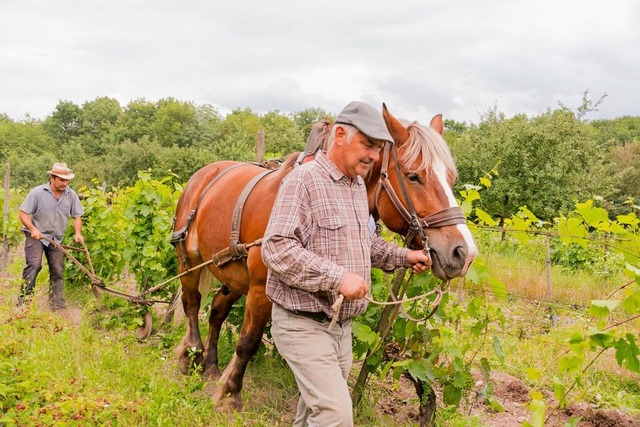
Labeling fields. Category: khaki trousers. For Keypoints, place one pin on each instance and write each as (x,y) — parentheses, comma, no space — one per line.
(320,360)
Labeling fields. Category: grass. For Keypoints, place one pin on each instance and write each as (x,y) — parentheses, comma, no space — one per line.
(91,370)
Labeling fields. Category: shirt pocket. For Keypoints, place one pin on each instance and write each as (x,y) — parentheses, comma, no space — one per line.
(330,238)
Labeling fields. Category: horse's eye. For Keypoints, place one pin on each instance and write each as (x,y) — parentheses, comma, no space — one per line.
(413,177)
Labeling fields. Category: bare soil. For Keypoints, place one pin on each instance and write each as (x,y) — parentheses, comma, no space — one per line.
(514,395)
(399,402)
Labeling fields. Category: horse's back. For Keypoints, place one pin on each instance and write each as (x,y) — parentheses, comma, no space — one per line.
(215,193)
(195,187)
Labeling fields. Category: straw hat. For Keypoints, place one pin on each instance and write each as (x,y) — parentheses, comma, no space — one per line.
(61,170)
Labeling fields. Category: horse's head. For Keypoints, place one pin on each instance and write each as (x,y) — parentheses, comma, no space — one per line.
(414,197)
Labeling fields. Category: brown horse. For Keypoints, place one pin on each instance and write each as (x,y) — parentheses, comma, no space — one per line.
(226,203)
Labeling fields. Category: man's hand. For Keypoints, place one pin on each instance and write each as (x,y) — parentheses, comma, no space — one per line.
(418,261)
(36,234)
(353,287)
(78,238)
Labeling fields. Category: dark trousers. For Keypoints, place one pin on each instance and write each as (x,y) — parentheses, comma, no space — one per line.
(33,250)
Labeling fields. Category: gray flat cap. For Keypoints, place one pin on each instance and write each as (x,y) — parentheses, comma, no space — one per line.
(366,118)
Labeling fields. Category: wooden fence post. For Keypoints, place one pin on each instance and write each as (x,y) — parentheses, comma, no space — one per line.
(260,148)
(548,265)
(5,217)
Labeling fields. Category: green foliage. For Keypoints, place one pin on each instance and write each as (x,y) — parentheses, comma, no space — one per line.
(620,131)
(99,121)
(282,134)
(176,123)
(137,120)
(624,168)
(11,229)
(150,206)
(64,123)
(103,215)
(546,162)
(143,215)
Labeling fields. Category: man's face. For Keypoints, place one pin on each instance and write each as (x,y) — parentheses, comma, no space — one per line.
(58,184)
(360,153)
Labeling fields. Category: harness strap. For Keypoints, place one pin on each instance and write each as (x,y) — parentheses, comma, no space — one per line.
(180,236)
(444,218)
(235,248)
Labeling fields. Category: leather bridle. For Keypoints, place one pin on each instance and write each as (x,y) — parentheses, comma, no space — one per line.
(416,225)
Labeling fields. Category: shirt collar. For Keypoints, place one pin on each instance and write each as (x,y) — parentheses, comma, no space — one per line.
(335,173)
(47,187)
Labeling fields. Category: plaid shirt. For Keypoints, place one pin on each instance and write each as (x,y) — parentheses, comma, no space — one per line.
(319,230)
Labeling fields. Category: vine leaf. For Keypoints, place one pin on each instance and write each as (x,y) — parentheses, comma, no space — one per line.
(627,352)
(602,308)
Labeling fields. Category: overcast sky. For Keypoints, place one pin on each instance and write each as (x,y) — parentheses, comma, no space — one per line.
(420,57)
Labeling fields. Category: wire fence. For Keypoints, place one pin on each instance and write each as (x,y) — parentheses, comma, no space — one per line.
(543,267)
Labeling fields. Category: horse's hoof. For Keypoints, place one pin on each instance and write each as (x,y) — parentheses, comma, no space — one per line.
(183,364)
(227,402)
(190,362)
(211,374)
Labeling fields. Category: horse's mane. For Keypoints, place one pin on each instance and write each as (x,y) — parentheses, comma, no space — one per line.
(429,146)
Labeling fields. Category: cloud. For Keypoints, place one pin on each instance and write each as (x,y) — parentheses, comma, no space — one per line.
(420,57)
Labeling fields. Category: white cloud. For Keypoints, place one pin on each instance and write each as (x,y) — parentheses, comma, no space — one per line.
(420,57)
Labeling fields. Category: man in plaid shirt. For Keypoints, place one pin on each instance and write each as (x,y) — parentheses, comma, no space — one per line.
(321,243)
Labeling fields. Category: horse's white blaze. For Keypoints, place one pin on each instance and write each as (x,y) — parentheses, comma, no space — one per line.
(472,250)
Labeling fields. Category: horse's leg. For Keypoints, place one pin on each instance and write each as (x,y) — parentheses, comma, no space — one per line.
(256,315)
(191,348)
(220,308)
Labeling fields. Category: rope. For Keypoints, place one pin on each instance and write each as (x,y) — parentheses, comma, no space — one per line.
(335,308)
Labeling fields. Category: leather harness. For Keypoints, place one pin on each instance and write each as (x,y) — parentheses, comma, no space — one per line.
(416,225)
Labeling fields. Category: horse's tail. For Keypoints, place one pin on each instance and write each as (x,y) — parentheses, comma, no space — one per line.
(205,285)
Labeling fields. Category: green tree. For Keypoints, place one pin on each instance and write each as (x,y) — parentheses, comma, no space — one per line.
(626,172)
(453,127)
(282,135)
(25,138)
(182,162)
(64,123)
(123,161)
(306,118)
(176,123)
(99,123)
(545,163)
(238,136)
(137,120)
(621,131)
(210,122)
(27,172)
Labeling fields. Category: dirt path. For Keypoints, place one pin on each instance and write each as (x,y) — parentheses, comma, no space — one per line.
(514,395)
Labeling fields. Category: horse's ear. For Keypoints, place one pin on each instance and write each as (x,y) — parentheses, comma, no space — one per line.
(436,124)
(399,133)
